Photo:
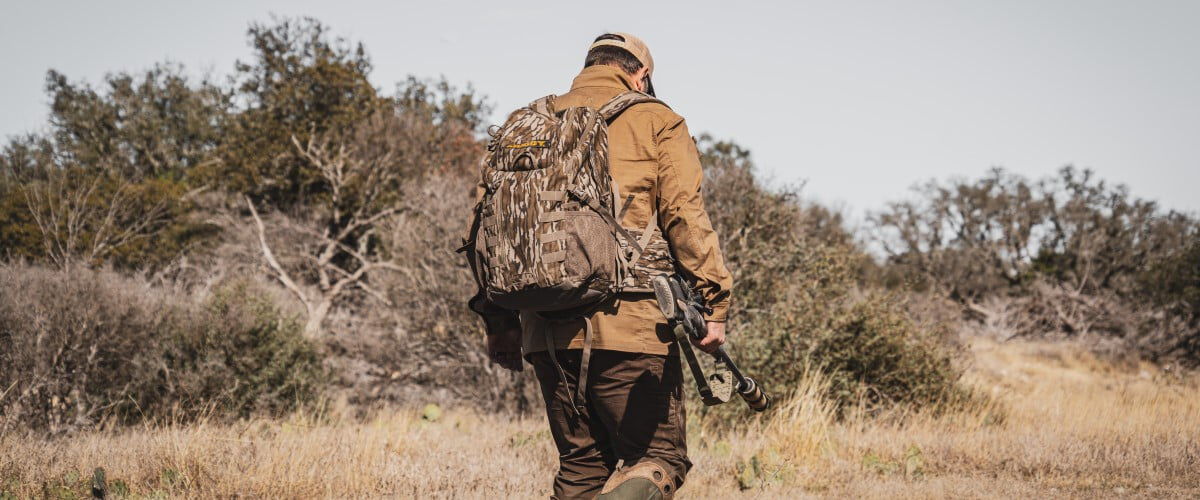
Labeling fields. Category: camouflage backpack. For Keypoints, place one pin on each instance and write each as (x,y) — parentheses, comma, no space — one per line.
(546,235)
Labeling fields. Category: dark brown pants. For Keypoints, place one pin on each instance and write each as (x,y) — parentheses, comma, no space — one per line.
(633,412)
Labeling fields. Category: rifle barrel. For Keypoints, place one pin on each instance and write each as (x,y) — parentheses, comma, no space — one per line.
(747,388)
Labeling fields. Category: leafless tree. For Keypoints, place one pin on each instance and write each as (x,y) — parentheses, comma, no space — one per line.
(361,174)
(86,217)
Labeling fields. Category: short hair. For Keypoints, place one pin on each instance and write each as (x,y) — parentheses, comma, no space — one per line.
(612,56)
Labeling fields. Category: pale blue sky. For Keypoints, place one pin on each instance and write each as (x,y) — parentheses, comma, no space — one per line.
(860,99)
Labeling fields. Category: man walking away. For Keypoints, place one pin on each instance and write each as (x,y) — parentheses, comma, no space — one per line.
(610,373)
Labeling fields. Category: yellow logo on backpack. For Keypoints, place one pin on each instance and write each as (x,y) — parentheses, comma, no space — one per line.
(529,144)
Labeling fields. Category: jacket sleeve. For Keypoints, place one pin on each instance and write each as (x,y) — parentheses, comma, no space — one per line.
(682,217)
(496,319)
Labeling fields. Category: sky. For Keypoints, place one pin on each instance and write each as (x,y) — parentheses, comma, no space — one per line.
(859,100)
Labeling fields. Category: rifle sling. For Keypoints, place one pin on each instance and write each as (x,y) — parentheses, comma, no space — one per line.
(685,345)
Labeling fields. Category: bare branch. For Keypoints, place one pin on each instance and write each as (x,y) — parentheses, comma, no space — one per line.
(270,257)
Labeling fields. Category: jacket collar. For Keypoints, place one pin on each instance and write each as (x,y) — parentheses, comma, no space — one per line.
(602,76)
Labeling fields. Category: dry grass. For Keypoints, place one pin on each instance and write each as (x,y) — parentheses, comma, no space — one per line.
(1072,427)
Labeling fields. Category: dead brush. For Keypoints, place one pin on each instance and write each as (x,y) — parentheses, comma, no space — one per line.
(1075,426)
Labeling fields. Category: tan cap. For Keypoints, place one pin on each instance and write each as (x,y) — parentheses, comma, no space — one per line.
(632,44)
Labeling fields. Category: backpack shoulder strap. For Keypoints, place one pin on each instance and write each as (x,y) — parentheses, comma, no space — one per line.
(621,102)
(544,105)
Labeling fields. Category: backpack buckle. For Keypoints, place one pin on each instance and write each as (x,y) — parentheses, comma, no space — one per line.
(579,195)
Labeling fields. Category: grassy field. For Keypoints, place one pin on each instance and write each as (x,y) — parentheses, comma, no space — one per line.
(1065,425)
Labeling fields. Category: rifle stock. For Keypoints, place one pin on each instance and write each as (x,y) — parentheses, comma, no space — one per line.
(684,309)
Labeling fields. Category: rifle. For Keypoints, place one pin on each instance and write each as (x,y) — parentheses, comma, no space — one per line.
(684,310)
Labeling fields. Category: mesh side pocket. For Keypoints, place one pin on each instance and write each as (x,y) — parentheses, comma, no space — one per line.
(591,250)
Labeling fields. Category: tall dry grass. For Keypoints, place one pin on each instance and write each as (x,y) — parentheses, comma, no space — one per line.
(1066,425)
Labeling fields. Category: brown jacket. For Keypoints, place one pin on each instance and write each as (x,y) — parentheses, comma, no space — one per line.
(653,158)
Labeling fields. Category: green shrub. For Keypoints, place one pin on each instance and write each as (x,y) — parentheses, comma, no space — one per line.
(875,355)
(796,303)
(1173,285)
(243,355)
(870,350)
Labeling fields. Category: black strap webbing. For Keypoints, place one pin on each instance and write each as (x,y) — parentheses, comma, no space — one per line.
(579,395)
(689,354)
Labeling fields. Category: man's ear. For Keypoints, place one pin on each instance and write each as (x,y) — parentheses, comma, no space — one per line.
(639,78)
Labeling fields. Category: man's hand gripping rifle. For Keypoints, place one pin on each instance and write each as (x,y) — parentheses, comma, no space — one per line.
(684,310)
